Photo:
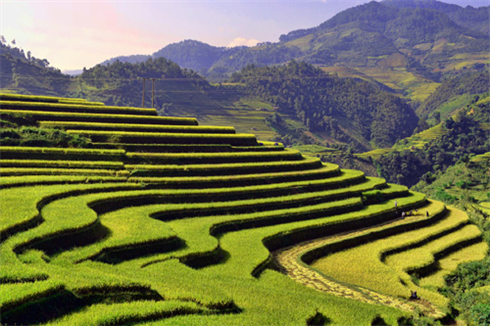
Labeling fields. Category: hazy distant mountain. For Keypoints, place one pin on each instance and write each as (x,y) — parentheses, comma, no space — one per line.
(422,36)
(194,55)
(137,58)
(74,72)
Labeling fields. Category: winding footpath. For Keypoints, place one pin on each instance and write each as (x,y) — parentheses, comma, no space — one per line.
(289,263)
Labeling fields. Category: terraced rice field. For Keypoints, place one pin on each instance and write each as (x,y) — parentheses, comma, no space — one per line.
(410,143)
(208,227)
(481,158)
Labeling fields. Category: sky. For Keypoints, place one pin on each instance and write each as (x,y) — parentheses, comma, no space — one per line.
(82,33)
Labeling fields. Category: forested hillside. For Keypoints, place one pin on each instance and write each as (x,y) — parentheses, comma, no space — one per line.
(121,83)
(21,70)
(455,141)
(451,90)
(406,45)
(343,108)
(473,18)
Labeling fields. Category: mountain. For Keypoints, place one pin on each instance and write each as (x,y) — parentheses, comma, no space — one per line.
(470,17)
(137,58)
(74,72)
(25,73)
(349,110)
(121,83)
(375,34)
(409,46)
(194,55)
(454,93)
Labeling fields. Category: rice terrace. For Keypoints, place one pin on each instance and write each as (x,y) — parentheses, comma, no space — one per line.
(161,221)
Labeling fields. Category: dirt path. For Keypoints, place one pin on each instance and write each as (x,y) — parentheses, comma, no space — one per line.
(288,261)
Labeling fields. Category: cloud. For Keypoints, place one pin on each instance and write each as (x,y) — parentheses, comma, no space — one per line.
(239,41)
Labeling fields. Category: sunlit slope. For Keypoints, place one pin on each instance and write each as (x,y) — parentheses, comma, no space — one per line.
(175,224)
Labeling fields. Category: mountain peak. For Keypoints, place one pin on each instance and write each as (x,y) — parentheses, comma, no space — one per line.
(426,4)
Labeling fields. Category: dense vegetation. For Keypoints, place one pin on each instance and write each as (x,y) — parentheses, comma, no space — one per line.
(330,104)
(473,18)
(21,70)
(450,88)
(427,38)
(464,137)
(121,83)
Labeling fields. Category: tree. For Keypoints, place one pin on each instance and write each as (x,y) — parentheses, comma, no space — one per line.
(480,314)
(437,117)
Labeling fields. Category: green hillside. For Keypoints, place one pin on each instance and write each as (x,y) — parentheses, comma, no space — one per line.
(454,93)
(408,46)
(186,224)
(349,110)
(468,16)
(435,149)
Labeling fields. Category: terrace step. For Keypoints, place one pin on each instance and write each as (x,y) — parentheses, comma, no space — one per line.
(45,180)
(187,210)
(291,261)
(61,164)
(449,263)
(75,108)
(333,188)
(67,220)
(377,251)
(272,236)
(62,171)
(132,127)
(45,99)
(214,158)
(186,148)
(35,116)
(222,169)
(49,153)
(422,261)
(238,180)
(166,138)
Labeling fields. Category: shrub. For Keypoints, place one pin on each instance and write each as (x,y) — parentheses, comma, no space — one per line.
(480,314)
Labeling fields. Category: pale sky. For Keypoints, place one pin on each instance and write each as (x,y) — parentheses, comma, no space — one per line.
(82,33)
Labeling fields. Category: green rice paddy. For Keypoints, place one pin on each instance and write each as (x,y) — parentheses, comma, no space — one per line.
(185,231)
